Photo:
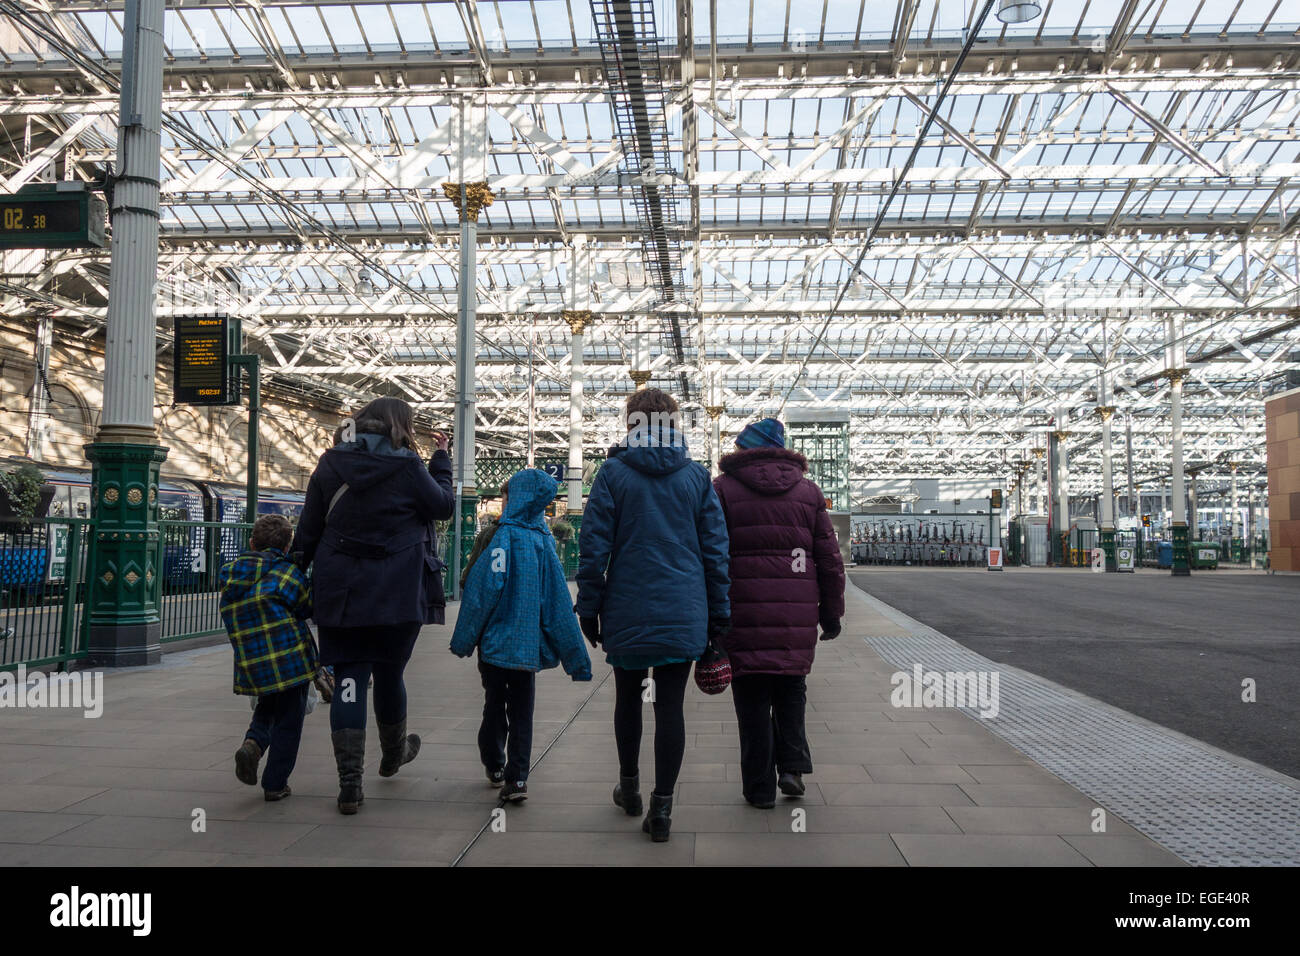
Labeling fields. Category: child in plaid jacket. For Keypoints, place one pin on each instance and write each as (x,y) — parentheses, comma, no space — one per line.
(265,603)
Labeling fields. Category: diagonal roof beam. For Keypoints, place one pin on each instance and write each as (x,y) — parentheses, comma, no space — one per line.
(1180,144)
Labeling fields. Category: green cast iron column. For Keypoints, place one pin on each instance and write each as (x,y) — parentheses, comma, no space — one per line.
(123,583)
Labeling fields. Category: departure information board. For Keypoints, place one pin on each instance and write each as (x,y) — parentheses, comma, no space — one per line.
(52,216)
(202,372)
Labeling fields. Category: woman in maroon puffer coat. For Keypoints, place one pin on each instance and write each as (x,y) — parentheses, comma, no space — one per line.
(787,577)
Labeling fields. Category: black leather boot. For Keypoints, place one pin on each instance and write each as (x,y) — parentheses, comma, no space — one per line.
(659,820)
(628,795)
(398,747)
(350,755)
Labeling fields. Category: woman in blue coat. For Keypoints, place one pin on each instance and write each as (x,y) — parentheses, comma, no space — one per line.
(367,529)
(652,587)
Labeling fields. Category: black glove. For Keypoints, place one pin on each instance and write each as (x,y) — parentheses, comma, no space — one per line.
(719,627)
(590,629)
(830,630)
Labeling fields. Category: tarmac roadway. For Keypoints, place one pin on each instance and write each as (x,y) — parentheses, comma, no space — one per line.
(1173,650)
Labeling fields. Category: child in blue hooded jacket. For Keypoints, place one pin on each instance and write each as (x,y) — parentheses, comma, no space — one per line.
(518,612)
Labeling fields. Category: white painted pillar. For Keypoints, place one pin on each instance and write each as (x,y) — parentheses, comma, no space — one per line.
(130,349)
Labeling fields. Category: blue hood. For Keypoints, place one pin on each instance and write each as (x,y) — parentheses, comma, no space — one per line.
(653,453)
(527,495)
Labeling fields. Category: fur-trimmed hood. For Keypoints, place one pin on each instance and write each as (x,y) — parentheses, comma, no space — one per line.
(768,470)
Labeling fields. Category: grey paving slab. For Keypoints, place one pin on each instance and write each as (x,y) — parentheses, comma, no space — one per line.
(35,826)
(871,819)
(357,839)
(1035,820)
(924,849)
(893,794)
(165,833)
(45,854)
(525,848)
(1123,851)
(796,849)
(43,797)
(1026,795)
(917,773)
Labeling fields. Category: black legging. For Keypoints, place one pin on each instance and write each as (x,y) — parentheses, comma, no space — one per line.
(670,724)
(390,694)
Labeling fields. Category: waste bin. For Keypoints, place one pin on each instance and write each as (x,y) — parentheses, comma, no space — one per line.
(1205,555)
(1165,554)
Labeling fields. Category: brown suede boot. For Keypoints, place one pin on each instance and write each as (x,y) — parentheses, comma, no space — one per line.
(247,758)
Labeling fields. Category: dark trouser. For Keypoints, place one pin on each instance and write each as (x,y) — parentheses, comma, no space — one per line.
(670,725)
(505,738)
(348,710)
(277,727)
(770,709)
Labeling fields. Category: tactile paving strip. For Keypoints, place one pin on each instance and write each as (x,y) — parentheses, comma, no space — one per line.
(1207,809)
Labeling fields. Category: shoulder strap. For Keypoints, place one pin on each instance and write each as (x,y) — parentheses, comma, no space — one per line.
(335,500)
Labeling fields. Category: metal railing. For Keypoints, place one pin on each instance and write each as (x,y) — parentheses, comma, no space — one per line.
(43,565)
(190,553)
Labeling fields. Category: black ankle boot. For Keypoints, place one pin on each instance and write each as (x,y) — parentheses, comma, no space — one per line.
(628,795)
(659,820)
(398,747)
(350,755)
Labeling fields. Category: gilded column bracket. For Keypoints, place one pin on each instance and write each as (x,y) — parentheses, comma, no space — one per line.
(715,411)
(477,196)
(640,377)
(1105,412)
(1175,375)
(578,320)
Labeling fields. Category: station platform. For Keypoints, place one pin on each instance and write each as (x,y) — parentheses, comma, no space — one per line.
(893,785)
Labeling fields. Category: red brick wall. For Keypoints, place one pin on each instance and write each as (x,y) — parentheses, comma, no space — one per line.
(1282,432)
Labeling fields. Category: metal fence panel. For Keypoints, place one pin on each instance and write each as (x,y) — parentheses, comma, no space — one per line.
(43,566)
(191,554)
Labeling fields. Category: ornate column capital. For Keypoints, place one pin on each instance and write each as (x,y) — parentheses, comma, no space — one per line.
(477,195)
(1175,375)
(1061,434)
(1105,412)
(715,411)
(1039,452)
(640,377)
(577,319)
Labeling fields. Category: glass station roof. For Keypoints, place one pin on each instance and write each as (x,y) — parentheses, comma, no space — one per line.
(1087,176)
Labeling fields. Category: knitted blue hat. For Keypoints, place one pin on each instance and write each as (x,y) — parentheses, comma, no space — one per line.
(767,433)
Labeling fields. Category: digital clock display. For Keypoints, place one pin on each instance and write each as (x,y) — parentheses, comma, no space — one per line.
(40,217)
(50,216)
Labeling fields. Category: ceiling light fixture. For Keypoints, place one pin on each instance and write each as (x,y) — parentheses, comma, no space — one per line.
(1018,11)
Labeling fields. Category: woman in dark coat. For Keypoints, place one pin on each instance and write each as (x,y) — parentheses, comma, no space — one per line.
(652,585)
(367,528)
(787,577)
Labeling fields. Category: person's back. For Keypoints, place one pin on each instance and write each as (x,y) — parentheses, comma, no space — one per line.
(516,607)
(645,567)
(786,572)
(786,578)
(652,589)
(516,611)
(264,604)
(374,505)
